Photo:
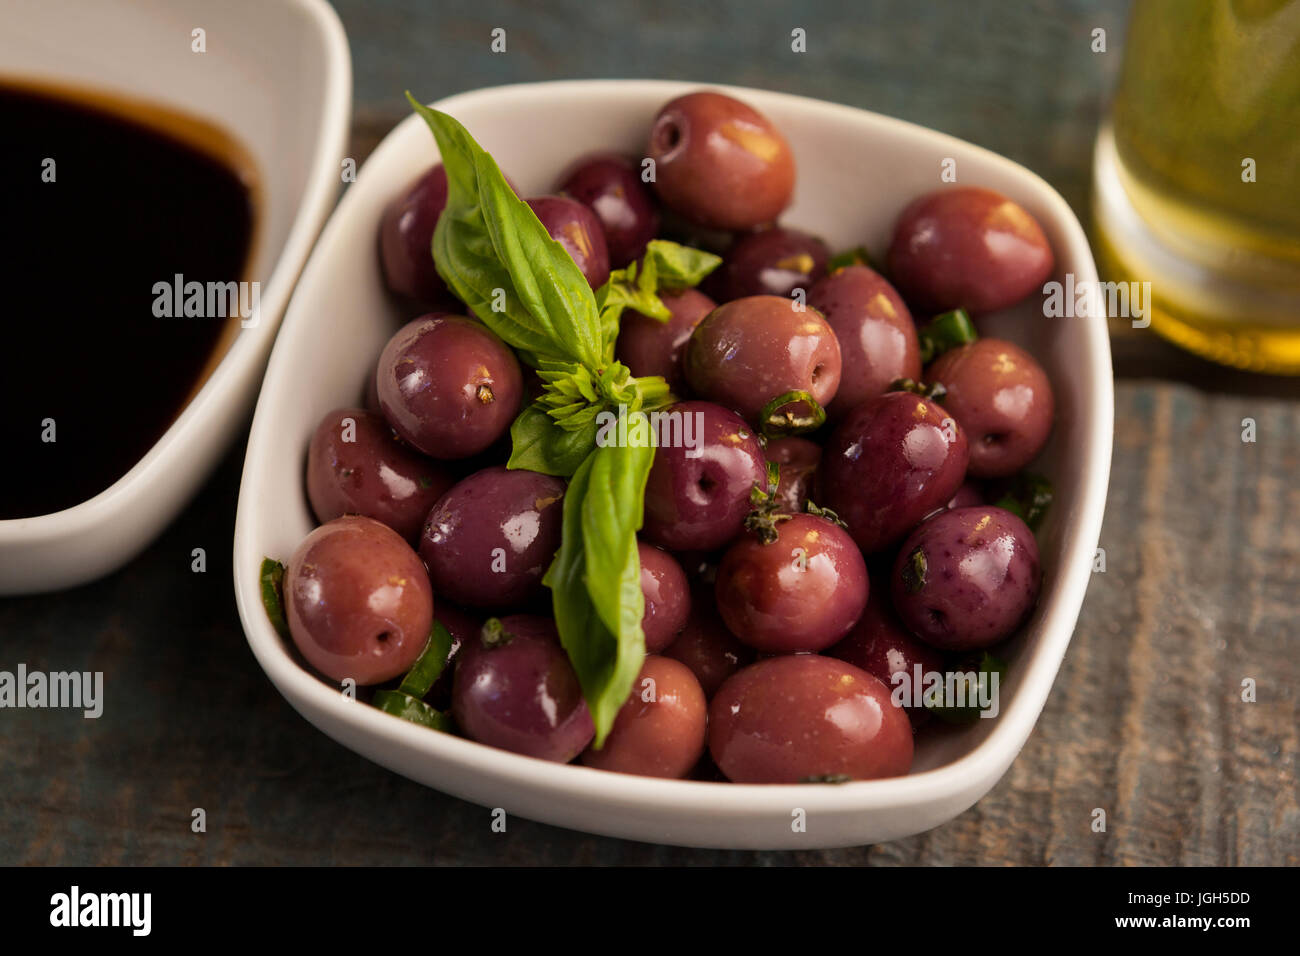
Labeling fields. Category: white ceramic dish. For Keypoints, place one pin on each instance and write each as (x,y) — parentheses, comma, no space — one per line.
(856,171)
(278,76)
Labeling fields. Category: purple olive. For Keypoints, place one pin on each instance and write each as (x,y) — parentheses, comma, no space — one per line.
(967,578)
(772,261)
(797,460)
(610,184)
(720,163)
(667,597)
(966,247)
(1003,400)
(576,228)
(489,540)
(750,352)
(448,385)
(650,347)
(883,647)
(877,336)
(707,646)
(660,731)
(803,717)
(697,493)
(802,591)
(515,689)
(358,601)
(356,466)
(406,240)
(889,463)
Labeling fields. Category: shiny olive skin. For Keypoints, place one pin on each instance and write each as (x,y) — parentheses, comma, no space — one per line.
(488,541)
(610,185)
(800,717)
(750,351)
(576,228)
(356,466)
(883,647)
(1003,400)
(772,261)
(406,239)
(358,601)
(893,460)
(448,385)
(667,597)
(650,347)
(801,592)
(463,627)
(660,731)
(707,646)
(797,458)
(521,694)
(719,163)
(696,498)
(877,336)
(967,578)
(967,247)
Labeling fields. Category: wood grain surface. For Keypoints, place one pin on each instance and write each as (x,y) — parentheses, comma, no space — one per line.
(1146,720)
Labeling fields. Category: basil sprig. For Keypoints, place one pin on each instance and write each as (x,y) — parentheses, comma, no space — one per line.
(665,266)
(494,253)
(595,579)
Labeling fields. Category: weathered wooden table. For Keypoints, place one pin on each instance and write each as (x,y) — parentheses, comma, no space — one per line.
(1202,531)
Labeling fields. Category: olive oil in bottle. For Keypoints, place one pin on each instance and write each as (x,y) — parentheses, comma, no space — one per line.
(1197,181)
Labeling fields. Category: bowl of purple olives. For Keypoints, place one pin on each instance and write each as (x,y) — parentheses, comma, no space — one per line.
(686,464)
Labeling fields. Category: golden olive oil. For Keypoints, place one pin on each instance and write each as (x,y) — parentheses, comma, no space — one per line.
(1198,176)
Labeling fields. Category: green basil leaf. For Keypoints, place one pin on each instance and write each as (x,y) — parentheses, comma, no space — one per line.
(595,578)
(633,288)
(540,444)
(611,516)
(677,266)
(628,289)
(494,253)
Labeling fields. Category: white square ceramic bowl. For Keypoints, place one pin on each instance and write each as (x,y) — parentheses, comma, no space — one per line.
(856,171)
(277,75)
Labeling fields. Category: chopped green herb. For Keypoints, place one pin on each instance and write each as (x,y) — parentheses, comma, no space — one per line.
(946,331)
(428,667)
(791,413)
(273,595)
(410,708)
(1026,495)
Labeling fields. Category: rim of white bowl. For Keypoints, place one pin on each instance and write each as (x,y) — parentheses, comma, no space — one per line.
(974,771)
(319,194)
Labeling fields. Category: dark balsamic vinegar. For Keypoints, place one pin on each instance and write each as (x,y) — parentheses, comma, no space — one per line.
(138,195)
